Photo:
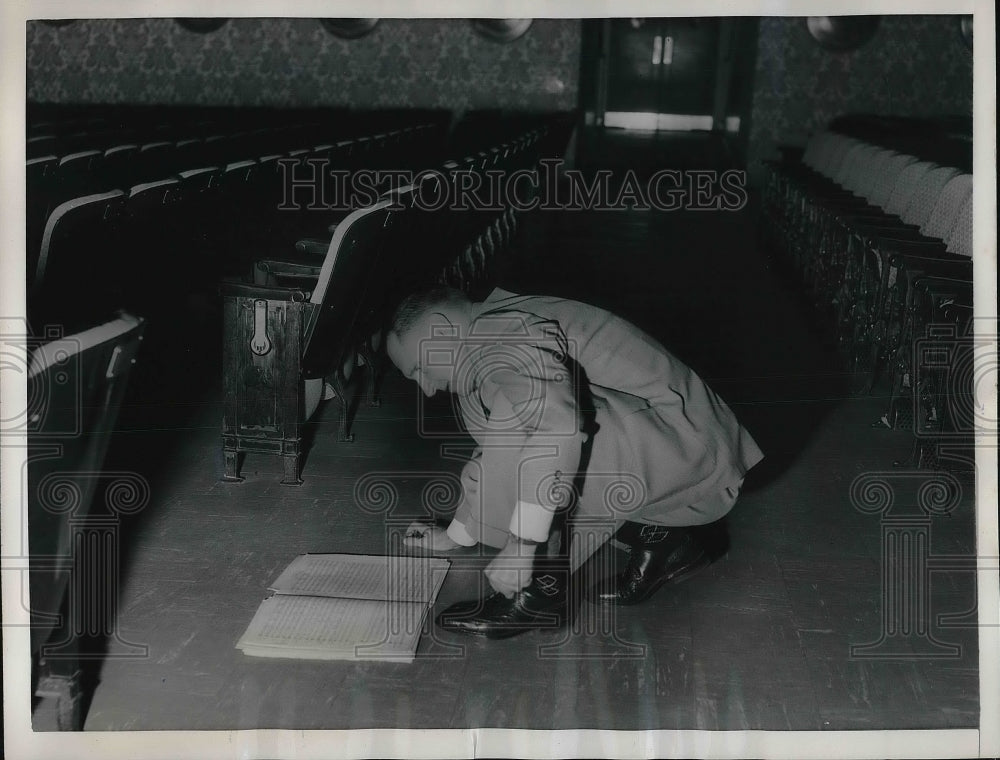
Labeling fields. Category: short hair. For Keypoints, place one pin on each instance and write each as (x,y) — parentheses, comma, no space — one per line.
(418,303)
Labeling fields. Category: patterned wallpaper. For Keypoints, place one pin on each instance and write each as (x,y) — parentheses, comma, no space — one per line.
(914,65)
(430,63)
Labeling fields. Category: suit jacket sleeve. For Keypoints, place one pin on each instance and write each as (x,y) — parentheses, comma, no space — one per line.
(530,369)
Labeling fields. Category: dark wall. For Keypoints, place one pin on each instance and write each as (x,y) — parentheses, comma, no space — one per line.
(435,63)
(914,66)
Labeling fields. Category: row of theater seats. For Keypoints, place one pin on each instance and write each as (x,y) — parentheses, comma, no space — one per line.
(142,249)
(60,130)
(313,315)
(464,243)
(200,204)
(881,241)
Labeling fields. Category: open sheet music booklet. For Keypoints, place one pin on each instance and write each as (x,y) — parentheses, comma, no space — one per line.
(346,607)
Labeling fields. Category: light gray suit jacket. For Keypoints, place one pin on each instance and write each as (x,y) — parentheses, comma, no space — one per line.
(663,447)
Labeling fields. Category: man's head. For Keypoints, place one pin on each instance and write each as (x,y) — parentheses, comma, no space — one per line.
(425,330)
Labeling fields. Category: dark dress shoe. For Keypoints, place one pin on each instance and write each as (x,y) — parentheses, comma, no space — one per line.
(540,605)
(660,555)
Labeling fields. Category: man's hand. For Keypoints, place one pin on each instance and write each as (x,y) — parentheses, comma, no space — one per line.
(510,570)
(433,538)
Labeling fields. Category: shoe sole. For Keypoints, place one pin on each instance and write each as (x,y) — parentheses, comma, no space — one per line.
(547,621)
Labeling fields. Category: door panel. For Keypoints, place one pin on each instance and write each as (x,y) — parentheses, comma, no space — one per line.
(688,81)
(662,65)
(633,78)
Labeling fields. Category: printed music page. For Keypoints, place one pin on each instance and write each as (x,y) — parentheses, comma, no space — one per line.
(359,576)
(346,607)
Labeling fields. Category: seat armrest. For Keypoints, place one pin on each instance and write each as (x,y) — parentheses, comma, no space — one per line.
(268,292)
(887,248)
(958,291)
(947,266)
(316,246)
(875,220)
(289,269)
(875,233)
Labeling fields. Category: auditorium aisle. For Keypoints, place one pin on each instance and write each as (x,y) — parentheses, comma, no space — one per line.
(760,640)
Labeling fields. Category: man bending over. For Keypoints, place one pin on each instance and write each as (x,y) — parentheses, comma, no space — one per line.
(570,407)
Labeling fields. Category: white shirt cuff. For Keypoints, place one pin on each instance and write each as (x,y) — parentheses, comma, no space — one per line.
(458,534)
(531,521)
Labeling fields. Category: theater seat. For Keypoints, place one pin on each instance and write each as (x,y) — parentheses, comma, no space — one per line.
(73,265)
(76,383)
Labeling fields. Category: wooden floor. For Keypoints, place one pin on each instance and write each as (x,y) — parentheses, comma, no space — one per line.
(760,640)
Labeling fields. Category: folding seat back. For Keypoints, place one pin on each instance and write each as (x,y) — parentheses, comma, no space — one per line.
(154,161)
(200,223)
(254,144)
(219,150)
(826,151)
(190,153)
(497,155)
(849,165)
(119,161)
(510,152)
(99,140)
(905,185)
(959,239)
(873,172)
(838,156)
(380,151)
(361,149)
(886,180)
(73,256)
(481,159)
(815,147)
(442,234)
(41,145)
(78,174)
(199,179)
(39,171)
(860,172)
(149,249)
(403,255)
(237,176)
(926,196)
(840,145)
(75,388)
(945,213)
(344,280)
(323,151)
(38,177)
(233,200)
(142,198)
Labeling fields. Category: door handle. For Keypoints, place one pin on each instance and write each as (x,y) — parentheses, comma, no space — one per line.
(668,51)
(657,50)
